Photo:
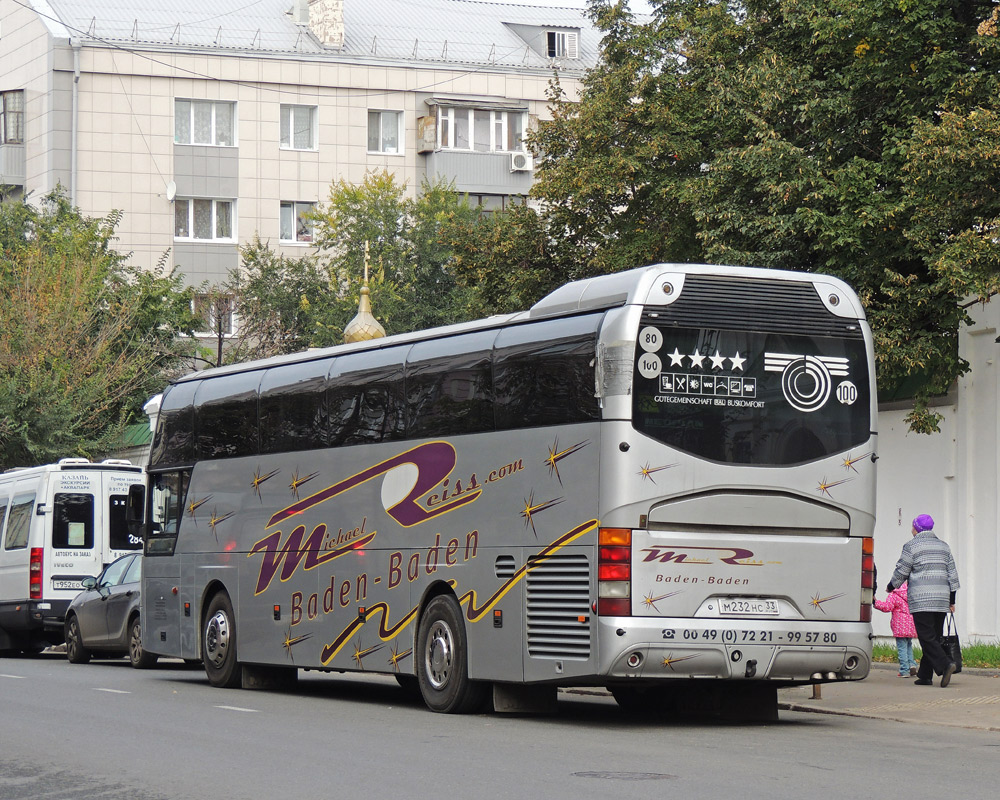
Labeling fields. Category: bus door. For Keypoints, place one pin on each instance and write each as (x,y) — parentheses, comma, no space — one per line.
(73,550)
(114,498)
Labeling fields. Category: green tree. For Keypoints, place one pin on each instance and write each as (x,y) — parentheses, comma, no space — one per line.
(85,338)
(274,300)
(857,139)
(412,284)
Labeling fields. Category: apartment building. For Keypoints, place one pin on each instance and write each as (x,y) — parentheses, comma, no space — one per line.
(206,124)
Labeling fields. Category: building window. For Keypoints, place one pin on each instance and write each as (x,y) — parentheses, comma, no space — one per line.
(298,127)
(487,203)
(204,122)
(12,117)
(384,131)
(295,225)
(208,220)
(481,130)
(562,44)
(217,313)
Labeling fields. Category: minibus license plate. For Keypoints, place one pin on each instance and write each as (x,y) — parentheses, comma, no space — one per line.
(743,607)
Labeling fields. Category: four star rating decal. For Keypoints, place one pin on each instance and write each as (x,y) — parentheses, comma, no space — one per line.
(697,360)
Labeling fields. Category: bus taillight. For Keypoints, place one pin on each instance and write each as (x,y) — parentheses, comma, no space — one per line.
(614,572)
(867,577)
(35,574)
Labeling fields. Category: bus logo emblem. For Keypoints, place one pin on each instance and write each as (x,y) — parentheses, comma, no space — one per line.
(806,381)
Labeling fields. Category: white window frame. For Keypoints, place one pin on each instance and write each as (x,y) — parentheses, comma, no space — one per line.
(287,115)
(204,302)
(498,122)
(562,44)
(12,117)
(383,115)
(296,209)
(215,135)
(188,205)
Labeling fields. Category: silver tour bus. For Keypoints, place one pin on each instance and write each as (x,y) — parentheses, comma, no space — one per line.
(661,482)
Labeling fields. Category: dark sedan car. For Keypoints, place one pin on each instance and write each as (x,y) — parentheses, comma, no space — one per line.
(103,619)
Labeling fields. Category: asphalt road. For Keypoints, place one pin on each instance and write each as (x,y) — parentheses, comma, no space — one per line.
(104,731)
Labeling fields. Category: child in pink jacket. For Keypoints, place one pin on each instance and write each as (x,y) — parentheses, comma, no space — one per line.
(902,627)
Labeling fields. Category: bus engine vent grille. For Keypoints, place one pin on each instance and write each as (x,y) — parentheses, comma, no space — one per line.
(504,567)
(559,612)
(752,305)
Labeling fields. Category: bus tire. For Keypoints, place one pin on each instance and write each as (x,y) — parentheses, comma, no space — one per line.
(76,653)
(443,660)
(138,656)
(218,644)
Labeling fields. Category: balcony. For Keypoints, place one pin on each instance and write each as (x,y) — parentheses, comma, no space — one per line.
(12,165)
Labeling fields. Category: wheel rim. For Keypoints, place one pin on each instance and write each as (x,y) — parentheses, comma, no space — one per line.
(135,642)
(72,645)
(439,654)
(217,639)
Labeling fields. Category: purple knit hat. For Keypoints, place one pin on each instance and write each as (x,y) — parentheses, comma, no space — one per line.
(924,522)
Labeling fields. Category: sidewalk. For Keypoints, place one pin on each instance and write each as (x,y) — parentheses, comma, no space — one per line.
(972,699)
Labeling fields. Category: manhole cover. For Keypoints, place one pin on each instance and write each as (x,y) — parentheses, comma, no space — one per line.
(625,776)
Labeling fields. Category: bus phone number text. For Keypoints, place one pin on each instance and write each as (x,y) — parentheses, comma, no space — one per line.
(731,636)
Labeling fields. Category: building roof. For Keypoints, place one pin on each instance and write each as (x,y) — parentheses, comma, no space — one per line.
(432,32)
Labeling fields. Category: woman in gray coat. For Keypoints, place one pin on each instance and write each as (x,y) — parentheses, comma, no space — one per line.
(927,563)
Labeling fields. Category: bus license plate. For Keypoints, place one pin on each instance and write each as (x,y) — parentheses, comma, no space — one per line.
(744,607)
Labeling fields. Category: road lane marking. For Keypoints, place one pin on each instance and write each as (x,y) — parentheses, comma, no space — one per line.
(111,691)
(237,708)
(15,677)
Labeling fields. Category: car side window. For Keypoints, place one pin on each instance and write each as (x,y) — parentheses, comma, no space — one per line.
(134,572)
(113,574)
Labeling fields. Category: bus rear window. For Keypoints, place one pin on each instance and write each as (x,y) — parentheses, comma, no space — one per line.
(73,522)
(751,397)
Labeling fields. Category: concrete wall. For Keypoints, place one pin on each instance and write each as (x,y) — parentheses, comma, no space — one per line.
(953,476)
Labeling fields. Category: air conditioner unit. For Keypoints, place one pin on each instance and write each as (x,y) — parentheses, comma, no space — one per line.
(521,162)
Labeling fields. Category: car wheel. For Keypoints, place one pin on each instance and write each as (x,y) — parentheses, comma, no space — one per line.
(75,651)
(139,657)
(218,644)
(443,660)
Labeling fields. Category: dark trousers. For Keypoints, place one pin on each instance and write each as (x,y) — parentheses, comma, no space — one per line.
(930,626)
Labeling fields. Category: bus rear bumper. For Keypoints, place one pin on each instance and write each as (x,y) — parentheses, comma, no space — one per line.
(787,652)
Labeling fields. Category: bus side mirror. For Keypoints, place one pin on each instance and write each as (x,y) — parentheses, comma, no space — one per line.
(135,509)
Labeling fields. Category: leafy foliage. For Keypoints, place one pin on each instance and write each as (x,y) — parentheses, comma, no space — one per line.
(85,337)
(412,285)
(857,139)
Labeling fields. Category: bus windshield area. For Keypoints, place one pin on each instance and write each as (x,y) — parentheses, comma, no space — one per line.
(751,398)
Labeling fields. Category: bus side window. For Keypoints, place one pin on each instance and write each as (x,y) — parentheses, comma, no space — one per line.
(173,441)
(73,521)
(293,408)
(19,522)
(366,398)
(449,386)
(544,373)
(226,416)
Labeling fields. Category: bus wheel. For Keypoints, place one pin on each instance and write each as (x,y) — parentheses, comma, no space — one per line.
(218,645)
(75,651)
(443,661)
(137,655)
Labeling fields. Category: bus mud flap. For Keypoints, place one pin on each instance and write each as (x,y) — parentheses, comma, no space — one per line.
(512,698)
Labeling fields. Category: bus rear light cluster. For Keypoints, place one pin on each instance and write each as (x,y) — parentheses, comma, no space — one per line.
(614,572)
(35,574)
(867,577)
